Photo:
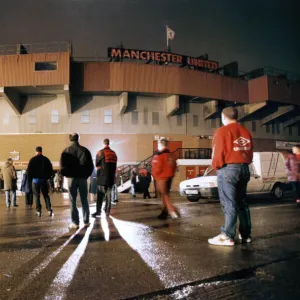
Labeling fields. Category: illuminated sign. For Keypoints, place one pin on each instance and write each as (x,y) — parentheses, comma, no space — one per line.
(162,57)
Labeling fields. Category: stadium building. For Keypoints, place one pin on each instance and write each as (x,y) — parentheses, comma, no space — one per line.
(134,97)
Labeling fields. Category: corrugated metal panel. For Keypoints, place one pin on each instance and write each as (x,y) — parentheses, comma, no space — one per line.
(258,89)
(132,77)
(18,70)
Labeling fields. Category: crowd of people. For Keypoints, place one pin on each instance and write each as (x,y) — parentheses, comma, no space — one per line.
(232,154)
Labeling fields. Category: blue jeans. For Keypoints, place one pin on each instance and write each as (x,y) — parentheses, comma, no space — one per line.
(232,186)
(7,197)
(114,193)
(75,184)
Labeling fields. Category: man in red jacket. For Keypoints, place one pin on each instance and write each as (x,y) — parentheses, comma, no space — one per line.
(163,171)
(232,153)
(106,164)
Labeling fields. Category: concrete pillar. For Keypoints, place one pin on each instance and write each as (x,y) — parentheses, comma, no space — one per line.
(123,98)
(172,105)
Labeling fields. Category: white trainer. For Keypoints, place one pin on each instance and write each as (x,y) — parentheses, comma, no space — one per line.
(221,240)
(73,226)
(247,240)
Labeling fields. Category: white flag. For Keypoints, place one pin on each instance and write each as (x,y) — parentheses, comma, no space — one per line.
(170,34)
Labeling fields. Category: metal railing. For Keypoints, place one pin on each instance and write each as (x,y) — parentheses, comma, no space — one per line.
(35,48)
(124,172)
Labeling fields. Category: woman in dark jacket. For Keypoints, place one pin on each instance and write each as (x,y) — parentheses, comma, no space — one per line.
(26,188)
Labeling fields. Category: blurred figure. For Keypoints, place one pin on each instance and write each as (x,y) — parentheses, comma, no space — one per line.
(114,190)
(39,172)
(77,165)
(56,182)
(26,187)
(93,185)
(163,171)
(106,164)
(145,180)
(133,179)
(9,176)
(292,165)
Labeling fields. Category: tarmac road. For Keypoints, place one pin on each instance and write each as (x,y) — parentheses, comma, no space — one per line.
(135,255)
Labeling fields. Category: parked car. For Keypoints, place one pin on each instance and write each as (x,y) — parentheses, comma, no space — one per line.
(268,175)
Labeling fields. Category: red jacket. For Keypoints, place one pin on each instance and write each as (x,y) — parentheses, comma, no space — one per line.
(292,165)
(232,144)
(163,165)
(106,164)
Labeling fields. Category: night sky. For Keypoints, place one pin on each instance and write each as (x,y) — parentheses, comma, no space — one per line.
(256,33)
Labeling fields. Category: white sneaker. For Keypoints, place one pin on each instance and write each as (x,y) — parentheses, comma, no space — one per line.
(174,215)
(221,240)
(247,240)
(73,226)
(38,213)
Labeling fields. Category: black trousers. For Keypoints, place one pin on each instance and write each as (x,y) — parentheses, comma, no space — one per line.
(37,188)
(103,193)
(29,198)
(296,189)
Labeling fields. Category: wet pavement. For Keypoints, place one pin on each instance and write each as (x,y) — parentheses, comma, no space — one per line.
(133,255)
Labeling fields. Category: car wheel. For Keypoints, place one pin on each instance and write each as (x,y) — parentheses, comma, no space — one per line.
(277,191)
(193,198)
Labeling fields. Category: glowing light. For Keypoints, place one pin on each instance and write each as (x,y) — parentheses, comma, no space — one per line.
(44,264)
(58,288)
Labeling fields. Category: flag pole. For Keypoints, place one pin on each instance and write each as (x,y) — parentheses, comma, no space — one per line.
(167,37)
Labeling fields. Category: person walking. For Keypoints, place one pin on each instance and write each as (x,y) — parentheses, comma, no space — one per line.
(133,179)
(144,181)
(292,165)
(106,164)
(163,171)
(93,185)
(9,176)
(39,172)
(114,190)
(232,154)
(76,165)
(26,187)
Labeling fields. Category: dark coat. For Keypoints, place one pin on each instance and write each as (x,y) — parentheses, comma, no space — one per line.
(40,167)
(106,163)
(76,162)
(26,184)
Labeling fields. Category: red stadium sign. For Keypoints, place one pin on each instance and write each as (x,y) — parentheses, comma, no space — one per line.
(161,57)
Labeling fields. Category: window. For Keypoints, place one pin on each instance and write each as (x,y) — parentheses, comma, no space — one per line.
(155,118)
(179,120)
(213,123)
(278,128)
(195,121)
(273,128)
(107,116)
(32,116)
(45,66)
(253,126)
(145,116)
(290,130)
(135,117)
(85,117)
(267,128)
(54,117)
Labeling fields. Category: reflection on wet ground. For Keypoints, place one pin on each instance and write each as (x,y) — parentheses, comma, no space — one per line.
(132,253)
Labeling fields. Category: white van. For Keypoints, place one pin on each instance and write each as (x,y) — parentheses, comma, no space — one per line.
(268,175)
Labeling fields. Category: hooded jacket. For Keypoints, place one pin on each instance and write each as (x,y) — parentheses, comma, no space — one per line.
(9,176)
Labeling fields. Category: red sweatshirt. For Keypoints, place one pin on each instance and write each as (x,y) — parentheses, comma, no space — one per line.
(232,144)
(163,165)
